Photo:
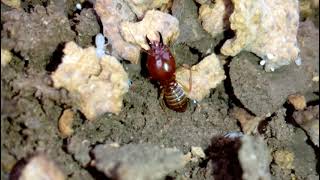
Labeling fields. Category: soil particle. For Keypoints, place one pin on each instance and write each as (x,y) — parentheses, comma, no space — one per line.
(86,28)
(35,35)
(137,161)
(309,121)
(261,92)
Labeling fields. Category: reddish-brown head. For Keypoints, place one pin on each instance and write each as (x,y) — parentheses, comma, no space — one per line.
(160,62)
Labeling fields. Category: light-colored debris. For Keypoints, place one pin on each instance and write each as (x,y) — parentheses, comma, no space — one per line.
(41,167)
(96,85)
(65,123)
(137,161)
(6,57)
(267,28)
(254,158)
(204,76)
(298,101)
(249,124)
(214,19)
(197,152)
(153,22)
(139,7)
(284,159)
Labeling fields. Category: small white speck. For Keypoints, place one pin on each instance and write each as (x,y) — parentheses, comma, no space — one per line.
(78,6)
(270,56)
(272,69)
(262,62)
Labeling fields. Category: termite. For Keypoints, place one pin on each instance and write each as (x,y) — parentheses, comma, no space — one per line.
(162,67)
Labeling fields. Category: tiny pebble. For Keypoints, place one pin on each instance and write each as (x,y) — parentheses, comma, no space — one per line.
(262,62)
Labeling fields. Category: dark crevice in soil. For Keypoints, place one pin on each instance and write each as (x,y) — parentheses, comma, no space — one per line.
(228,34)
(17,169)
(262,126)
(196,52)
(45,3)
(29,8)
(99,22)
(203,164)
(289,114)
(233,100)
(19,56)
(97,175)
(143,62)
(87,5)
(73,22)
(26,64)
(65,143)
(56,58)
(314,102)
(316,152)
(82,117)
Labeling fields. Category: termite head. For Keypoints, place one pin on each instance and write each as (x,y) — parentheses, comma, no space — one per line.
(160,62)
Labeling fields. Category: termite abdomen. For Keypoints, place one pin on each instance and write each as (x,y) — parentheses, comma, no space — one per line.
(175,97)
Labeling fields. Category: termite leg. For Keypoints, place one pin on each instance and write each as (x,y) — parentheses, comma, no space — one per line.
(161,100)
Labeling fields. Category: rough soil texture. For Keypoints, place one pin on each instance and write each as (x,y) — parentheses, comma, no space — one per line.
(31,107)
